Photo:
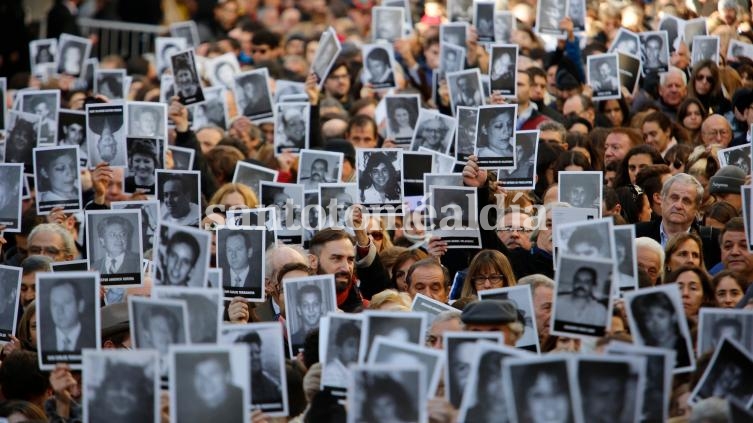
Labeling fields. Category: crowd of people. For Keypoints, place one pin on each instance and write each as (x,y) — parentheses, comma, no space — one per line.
(667,165)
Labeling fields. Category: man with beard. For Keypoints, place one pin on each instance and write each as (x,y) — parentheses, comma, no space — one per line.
(317,175)
(579,305)
(334,252)
(264,388)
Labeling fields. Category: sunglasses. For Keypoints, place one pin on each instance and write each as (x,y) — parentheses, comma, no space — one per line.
(377,235)
(709,79)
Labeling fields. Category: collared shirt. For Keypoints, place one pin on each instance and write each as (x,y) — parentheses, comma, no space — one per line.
(664,236)
(238,279)
(525,114)
(110,267)
(72,337)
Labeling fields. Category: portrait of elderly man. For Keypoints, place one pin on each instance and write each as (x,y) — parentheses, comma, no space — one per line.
(293,121)
(114,234)
(432,133)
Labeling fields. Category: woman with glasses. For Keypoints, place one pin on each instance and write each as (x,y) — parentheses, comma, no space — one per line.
(677,158)
(378,235)
(690,114)
(706,86)
(490,269)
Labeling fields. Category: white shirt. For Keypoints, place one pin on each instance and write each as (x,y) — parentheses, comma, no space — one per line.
(72,337)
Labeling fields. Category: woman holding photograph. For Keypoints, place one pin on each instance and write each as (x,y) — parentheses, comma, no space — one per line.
(59,176)
(658,324)
(143,160)
(380,181)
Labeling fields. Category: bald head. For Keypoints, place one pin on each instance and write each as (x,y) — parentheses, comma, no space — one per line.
(716,130)
(280,256)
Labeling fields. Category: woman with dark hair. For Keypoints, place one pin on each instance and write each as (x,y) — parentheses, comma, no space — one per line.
(388,401)
(695,287)
(143,160)
(380,181)
(683,249)
(571,161)
(636,159)
(547,157)
(718,214)
(677,157)
(400,121)
(582,144)
(57,177)
(612,113)
(578,124)
(690,114)
(706,86)
(490,269)
(658,324)
(545,395)
(634,204)
(657,132)
(729,288)
(403,262)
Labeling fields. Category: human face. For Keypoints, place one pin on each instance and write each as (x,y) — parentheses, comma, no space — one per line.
(400,274)
(429,281)
(211,382)
(402,117)
(431,132)
(546,401)
(348,351)
(50,244)
(704,81)
(499,129)
(688,253)
(74,134)
(183,78)
(336,258)
(107,147)
(516,231)
(160,334)
(660,323)
(648,260)
(716,130)
(693,118)
(42,110)
(295,128)
(583,283)
(376,67)
(462,362)
(604,71)
(653,50)
(120,394)
(435,337)
(655,136)
(180,262)
(237,252)
(553,137)
(692,292)
(384,408)
(28,289)
(613,112)
(577,197)
(249,90)
(72,61)
(538,88)
(362,136)
(728,292)
(674,90)
(61,173)
(679,204)
(115,239)
(636,163)
(735,255)
(616,147)
(65,307)
(310,309)
(542,308)
(318,171)
(337,83)
(175,199)
(380,175)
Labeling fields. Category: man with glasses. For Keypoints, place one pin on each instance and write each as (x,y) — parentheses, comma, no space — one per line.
(716,130)
(114,234)
(53,241)
(337,84)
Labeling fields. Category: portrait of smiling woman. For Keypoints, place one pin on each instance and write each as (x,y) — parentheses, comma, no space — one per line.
(379,181)
(143,159)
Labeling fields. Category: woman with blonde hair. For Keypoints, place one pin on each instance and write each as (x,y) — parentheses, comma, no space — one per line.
(233,194)
(489,269)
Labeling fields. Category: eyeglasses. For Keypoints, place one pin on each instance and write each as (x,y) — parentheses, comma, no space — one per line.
(48,251)
(377,235)
(717,133)
(494,279)
(707,78)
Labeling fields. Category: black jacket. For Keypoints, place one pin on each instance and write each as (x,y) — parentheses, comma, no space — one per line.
(712,253)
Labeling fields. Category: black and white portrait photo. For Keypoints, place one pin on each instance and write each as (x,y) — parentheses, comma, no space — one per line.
(287,201)
(10,295)
(379,176)
(4,105)
(402,115)
(269,390)
(42,55)
(58,181)
(45,104)
(182,255)
(608,387)
(164,48)
(407,327)
(460,10)
(209,383)
(204,308)
(576,10)
(495,136)
(673,25)
(187,83)
(548,16)
(451,57)
(738,156)
(252,175)
(326,53)
(504,23)
(454,211)
(714,324)
(147,119)
(186,30)
(157,324)
(456,33)
(252,95)
(179,192)
(221,70)
(461,350)
(318,167)
(726,375)
(396,353)
(694,28)
(72,132)
(145,156)
(465,88)
(526,153)
(166,90)
(483,20)
(292,127)
(626,41)
(379,66)
(110,83)
(11,190)
(72,54)
(654,51)
(522,297)
(626,255)
(502,72)
(540,389)
(182,157)
(339,343)
(465,136)
(213,111)
(114,246)
(737,49)
(603,76)
(121,386)
(307,300)
(387,23)
(240,253)
(657,319)
(585,239)
(630,70)
(149,218)
(386,393)
(336,200)
(442,179)
(582,301)
(479,375)
(22,134)
(705,47)
(434,131)
(67,317)
(285,88)
(106,134)
(581,189)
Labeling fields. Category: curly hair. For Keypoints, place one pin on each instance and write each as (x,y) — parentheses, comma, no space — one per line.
(392,188)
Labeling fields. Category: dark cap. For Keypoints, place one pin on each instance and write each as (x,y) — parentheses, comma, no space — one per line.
(742,99)
(490,312)
(727,180)
(566,81)
(114,319)
(339,145)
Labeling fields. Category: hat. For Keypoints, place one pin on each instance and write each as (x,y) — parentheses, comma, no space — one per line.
(339,145)
(727,180)
(566,81)
(114,319)
(490,312)
(742,99)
